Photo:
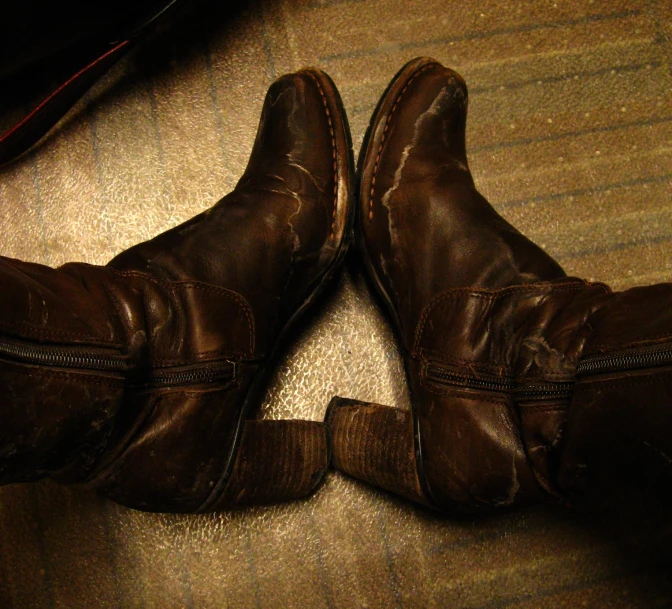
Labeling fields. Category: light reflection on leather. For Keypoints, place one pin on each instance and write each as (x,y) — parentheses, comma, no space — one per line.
(149,148)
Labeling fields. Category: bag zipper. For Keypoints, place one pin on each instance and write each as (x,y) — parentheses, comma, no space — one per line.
(626,360)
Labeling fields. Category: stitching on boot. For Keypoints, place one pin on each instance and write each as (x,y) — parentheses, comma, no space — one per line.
(332,230)
(627,382)
(207,287)
(81,377)
(538,288)
(386,129)
(635,342)
(37,331)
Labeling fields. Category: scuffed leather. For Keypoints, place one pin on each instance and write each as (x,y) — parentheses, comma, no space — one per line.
(473,296)
(220,288)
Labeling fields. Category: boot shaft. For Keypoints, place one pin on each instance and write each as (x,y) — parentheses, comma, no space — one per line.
(498,343)
(137,378)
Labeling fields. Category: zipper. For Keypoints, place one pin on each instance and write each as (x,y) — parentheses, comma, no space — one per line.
(64,357)
(596,364)
(531,392)
(626,360)
(544,391)
(94,358)
(445,376)
(194,375)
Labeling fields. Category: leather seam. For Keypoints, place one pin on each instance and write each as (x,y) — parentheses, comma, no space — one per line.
(223,355)
(81,377)
(37,332)
(225,387)
(586,329)
(555,407)
(541,289)
(634,342)
(553,376)
(229,294)
(332,230)
(584,386)
(443,358)
(171,285)
(119,307)
(478,397)
(388,122)
(181,389)
(139,274)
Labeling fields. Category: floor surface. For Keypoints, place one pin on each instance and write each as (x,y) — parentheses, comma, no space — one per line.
(569,136)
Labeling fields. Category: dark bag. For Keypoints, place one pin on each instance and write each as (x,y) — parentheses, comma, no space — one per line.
(81,40)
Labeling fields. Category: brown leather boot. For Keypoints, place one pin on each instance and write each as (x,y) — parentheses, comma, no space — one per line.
(139,378)
(526,384)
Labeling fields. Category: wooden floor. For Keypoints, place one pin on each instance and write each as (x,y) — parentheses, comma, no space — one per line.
(569,136)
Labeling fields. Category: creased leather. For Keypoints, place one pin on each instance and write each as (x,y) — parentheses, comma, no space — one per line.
(492,328)
(211,296)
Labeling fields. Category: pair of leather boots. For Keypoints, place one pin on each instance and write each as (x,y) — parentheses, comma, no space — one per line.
(141,378)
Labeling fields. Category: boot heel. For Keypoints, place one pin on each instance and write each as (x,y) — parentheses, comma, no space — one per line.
(375,444)
(276,461)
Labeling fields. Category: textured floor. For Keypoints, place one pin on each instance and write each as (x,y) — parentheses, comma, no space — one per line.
(569,136)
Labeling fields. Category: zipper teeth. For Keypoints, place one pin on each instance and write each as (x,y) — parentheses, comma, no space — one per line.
(450,378)
(549,391)
(625,361)
(79,359)
(539,390)
(60,357)
(591,365)
(201,375)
